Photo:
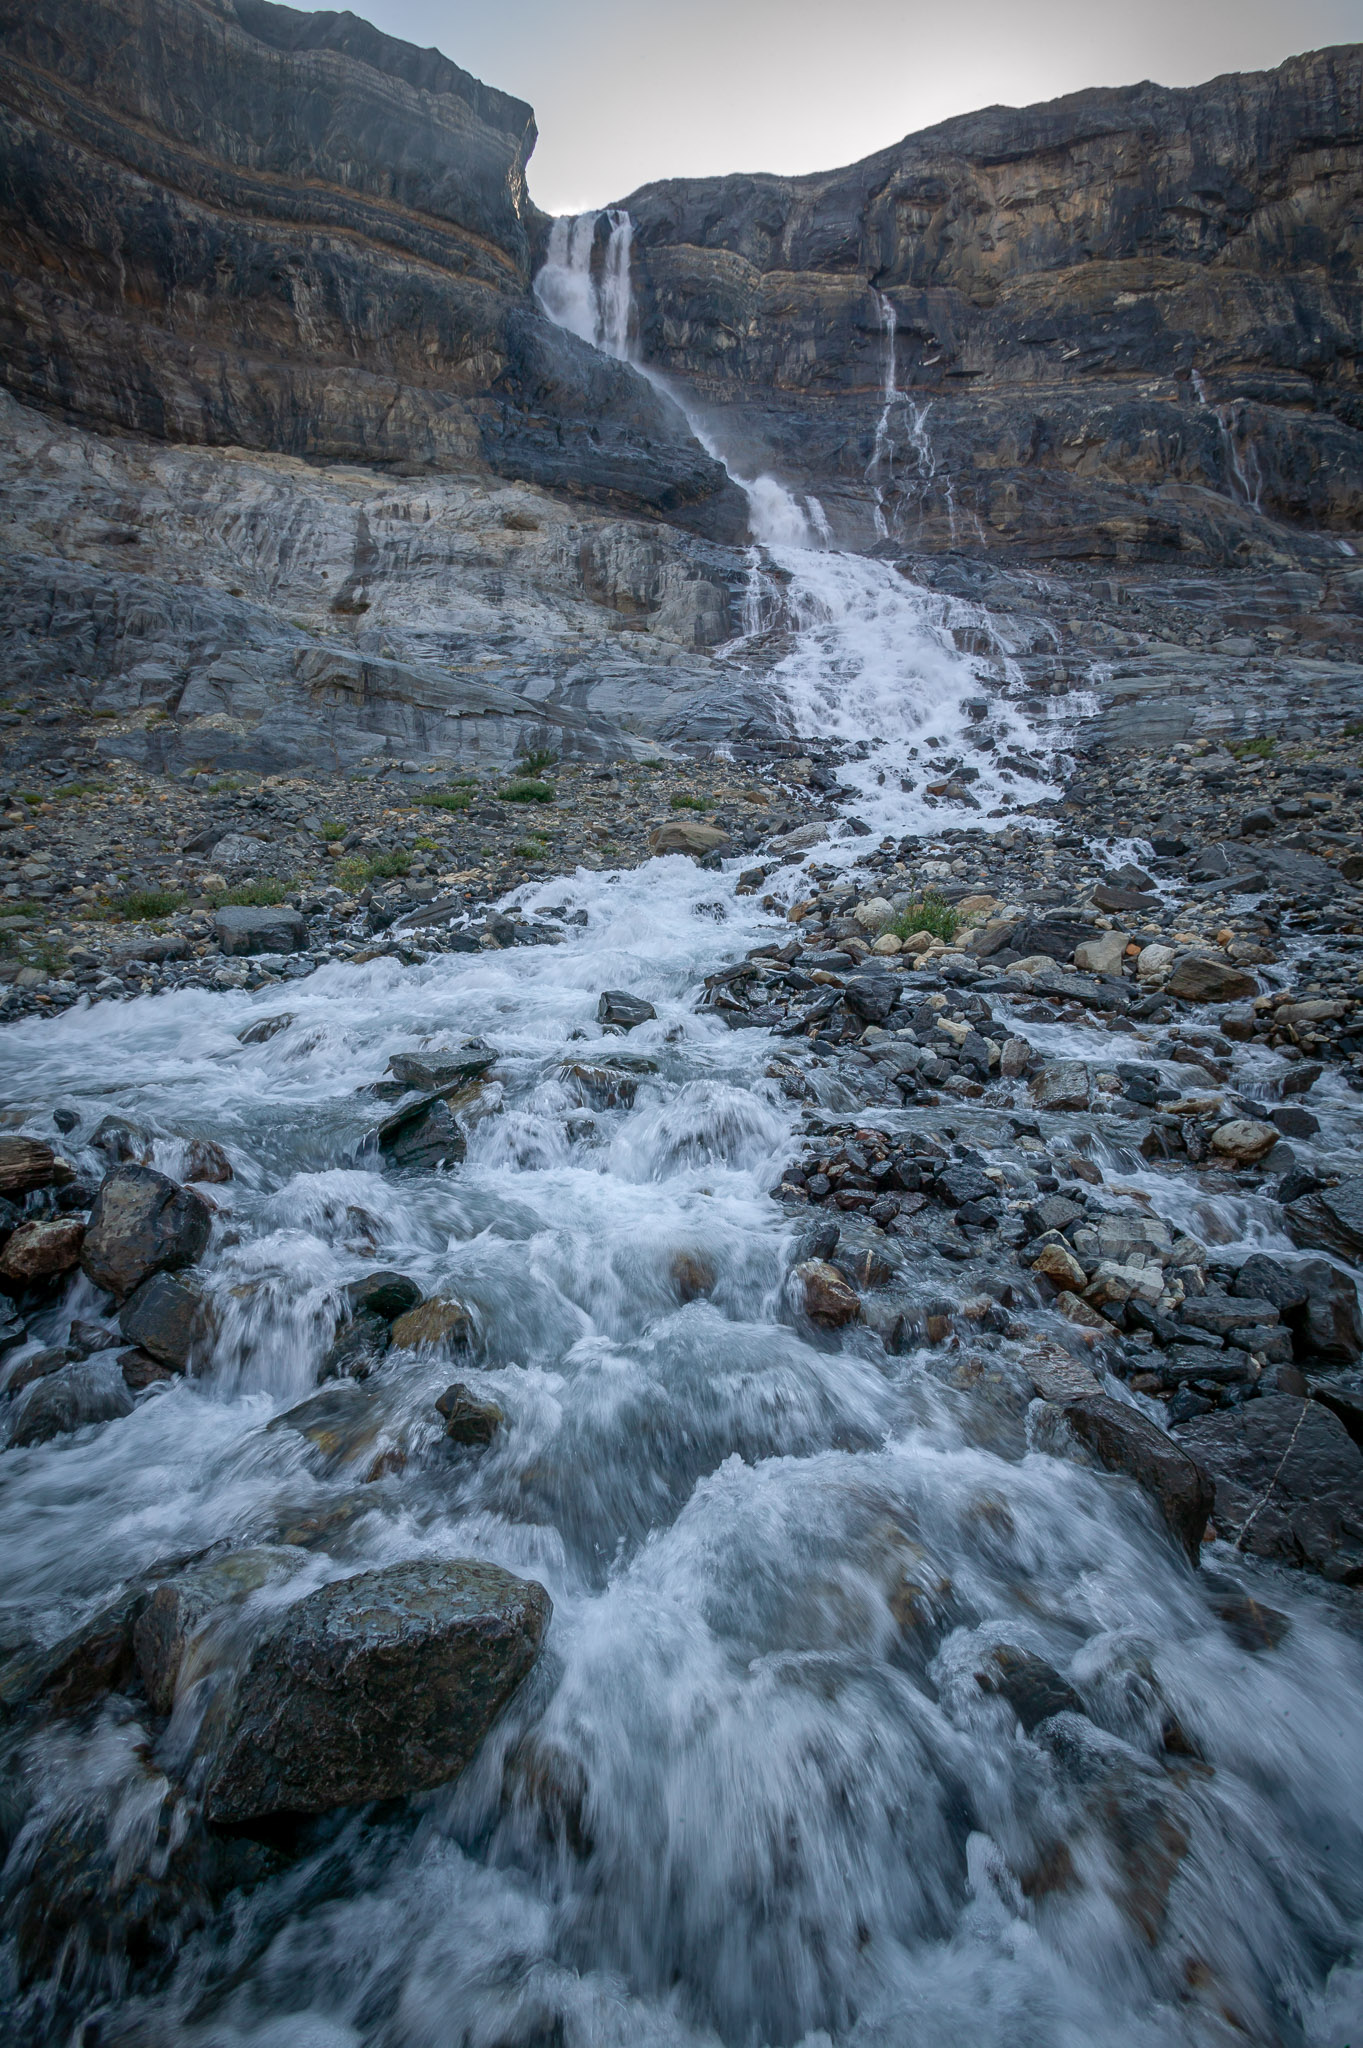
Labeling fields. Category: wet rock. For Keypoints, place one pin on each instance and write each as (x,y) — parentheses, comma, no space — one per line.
(140,1371)
(1033,1688)
(1114,1284)
(121,1141)
(824,1294)
(358,1348)
(441,1320)
(92,1390)
(1055,937)
(598,1087)
(376,1687)
(425,1136)
(206,1161)
(38,1252)
(1289,1482)
(142,1223)
(469,1419)
(620,1011)
(27,1164)
(1125,1441)
(266,1028)
(344,1425)
(1244,1140)
(693,1275)
(1218,1314)
(1058,1264)
(682,835)
(1064,1084)
(72,1673)
(169,1319)
(383,1294)
(241,930)
(174,1612)
(1330,1220)
(1194,979)
(444,1066)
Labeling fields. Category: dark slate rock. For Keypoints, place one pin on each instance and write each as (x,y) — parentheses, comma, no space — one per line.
(1222,1313)
(1289,1482)
(72,1673)
(1054,936)
(1330,1220)
(169,1319)
(470,1419)
(871,996)
(1033,1688)
(374,1687)
(424,1135)
(1123,1440)
(444,1066)
(241,930)
(384,1294)
(142,1223)
(358,1348)
(174,1611)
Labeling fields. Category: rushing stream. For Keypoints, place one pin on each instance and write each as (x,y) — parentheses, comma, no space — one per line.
(753,1792)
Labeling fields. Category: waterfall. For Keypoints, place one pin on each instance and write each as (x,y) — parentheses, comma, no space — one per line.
(869,657)
(1244,477)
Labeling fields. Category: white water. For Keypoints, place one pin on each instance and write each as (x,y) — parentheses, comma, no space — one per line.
(765,1800)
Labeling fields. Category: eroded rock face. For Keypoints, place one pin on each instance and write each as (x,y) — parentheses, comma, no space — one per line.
(1048,268)
(347,218)
(373,1688)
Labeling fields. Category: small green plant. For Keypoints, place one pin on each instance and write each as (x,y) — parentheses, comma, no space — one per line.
(30,796)
(532,849)
(83,789)
(1258,749)
(425,846)
(223,783)
(928,913)
(24,906)
(535,764)
(528,792)
(444,799)
(379,867)
(249,895)
(332,829)
(141,905)
(689,803)
(50,957)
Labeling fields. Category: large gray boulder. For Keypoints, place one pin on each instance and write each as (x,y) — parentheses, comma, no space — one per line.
(240,929)
(1289,1482)
(1330,1220)
(375,1687)
(142,1223)
(1123,1440)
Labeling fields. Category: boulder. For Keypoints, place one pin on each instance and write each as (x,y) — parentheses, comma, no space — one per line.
(1064,1084)
(871,996)
(240,929)
(1055,937)
(142,1223)
(683,835)
(1102,955)
(443,1066)
(169,1319)
(1194,979)
(1154,962)
(383,1294)
(874,914)
(357,1348)
(71,1674)
(425,1136)
(469,1419)
(1113,1284)
(1317,1301)
(1289,1482)
(824,1294)
(441,1320)
(41,1251)
(1033,1688)
(26,1164)
(93,1390)
(621,1011)
(1123,1440)
(1059,1265)
(1331,1220)
(1244,1140)
(374,1687)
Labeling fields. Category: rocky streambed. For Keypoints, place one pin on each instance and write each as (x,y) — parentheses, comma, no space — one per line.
(869,1322)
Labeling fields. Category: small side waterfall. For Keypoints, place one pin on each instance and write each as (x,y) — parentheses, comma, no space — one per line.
(591,299)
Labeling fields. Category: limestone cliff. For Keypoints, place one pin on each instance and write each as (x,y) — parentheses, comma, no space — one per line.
(224,221)
(1127,322)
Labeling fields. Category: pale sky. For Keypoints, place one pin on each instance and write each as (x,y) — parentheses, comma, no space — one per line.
(626,92)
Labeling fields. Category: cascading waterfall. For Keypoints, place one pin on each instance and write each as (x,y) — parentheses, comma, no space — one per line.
(754,1793)
(1242,465)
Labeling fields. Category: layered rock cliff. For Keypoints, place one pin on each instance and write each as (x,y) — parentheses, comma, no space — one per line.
(227,222)
(1127,322)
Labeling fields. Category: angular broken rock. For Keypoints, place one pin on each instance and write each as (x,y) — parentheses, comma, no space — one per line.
(357,1348)
(1059,1264)
(1102,955)
(240,929)
(1064,1084)
(469,1419)
(375,1687)
(682,836)
(1125,1441)
(177,1609)
(443,1066)
(619,1008)
(41,1251)
(824,1294)
(142,1223)
(424,1135)
(169,1319)
(383,1294)
(1289,1482)
(1196,980)
(26,1164)
(1330,1220)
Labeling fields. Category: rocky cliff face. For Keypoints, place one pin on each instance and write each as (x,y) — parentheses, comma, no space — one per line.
(227,222)
(1127,322)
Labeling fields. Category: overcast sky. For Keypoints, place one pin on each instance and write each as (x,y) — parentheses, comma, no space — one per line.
(626,91)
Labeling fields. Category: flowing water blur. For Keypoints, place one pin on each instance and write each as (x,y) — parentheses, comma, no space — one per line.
(753,1793)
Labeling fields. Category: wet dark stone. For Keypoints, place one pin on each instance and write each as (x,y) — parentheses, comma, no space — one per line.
(169,1319)
(1318,1301)
(1289,1482)
(871,996)
(1221,1313)
(443,1066)
(358,1347)
(623,1011)
(1033,1688)
(1057,937)
(374,1687)
(1330,1220)
(72,1673)
(1293,1121)
(142,1223)
(91,1391)
(384,1294)
(1123,1440)
(265,1029)
(26,1164)
(470,1419)
(425,1135)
